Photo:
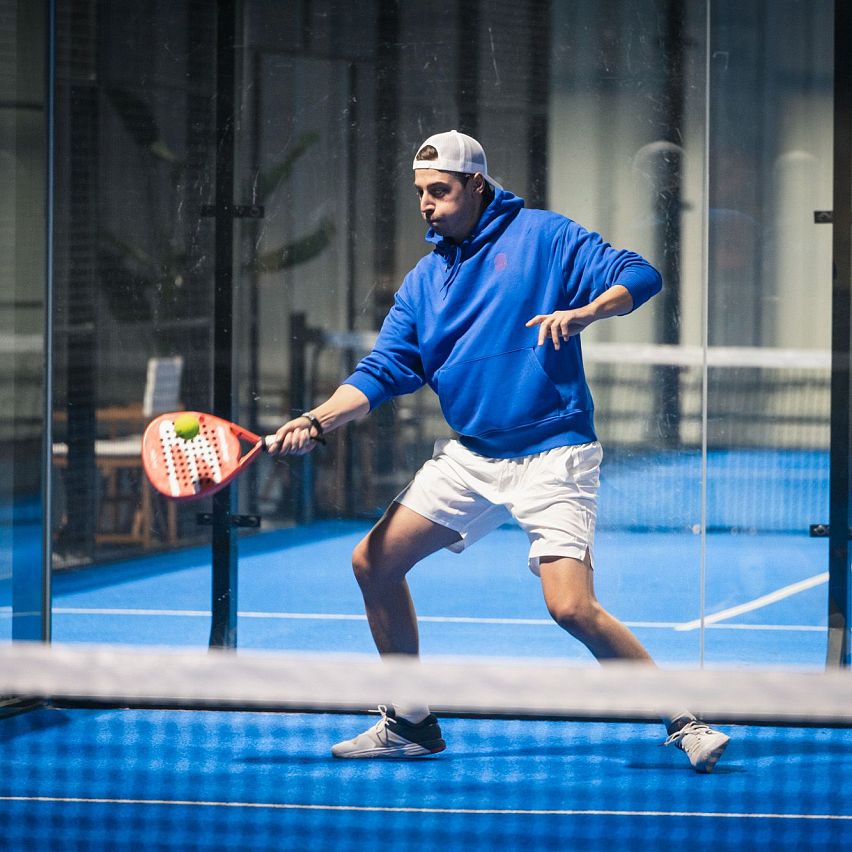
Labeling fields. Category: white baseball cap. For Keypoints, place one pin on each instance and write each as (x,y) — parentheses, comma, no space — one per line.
(457,152)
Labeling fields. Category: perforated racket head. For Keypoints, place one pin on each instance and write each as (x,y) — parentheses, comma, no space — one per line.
(190,469)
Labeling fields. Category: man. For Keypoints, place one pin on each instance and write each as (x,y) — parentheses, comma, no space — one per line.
(490,320)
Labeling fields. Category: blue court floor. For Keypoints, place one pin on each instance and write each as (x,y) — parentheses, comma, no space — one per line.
(764,599)
(107,779)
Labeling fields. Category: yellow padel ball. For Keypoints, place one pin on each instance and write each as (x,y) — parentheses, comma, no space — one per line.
(187,426)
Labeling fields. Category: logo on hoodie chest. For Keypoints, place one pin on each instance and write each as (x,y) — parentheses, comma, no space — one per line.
(500,262)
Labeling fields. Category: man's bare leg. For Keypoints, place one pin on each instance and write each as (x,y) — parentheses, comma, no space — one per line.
(570,596)
(568,586)
(381,561)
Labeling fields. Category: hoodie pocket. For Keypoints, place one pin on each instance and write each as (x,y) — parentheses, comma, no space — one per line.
(497,393)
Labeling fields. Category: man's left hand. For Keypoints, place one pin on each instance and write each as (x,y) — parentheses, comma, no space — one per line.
(560,325)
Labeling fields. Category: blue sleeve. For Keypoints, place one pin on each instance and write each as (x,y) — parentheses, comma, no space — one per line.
(393,367)
(591,266)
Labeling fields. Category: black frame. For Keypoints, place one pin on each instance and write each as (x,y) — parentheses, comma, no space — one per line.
(224,557)
(838,650)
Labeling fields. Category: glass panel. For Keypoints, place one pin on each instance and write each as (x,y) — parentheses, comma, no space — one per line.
(595,111)
(769,331)
(22,292)
(133,297)
(626,158)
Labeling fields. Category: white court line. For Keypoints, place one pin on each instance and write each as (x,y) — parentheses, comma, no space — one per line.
(802,628)
(433,619)
(335,616)
(757,603)
(412,810)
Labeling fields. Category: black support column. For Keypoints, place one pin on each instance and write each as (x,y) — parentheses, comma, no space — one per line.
(538,87)
(223,628)
(668,210)
(467,84)
(838,651)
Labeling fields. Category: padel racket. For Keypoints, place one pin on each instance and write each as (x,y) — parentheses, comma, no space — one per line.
(192,468)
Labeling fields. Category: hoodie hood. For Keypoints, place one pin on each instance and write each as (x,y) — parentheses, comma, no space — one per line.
(493,221)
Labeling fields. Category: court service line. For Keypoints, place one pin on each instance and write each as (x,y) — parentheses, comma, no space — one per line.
(334,616)
(757,603)
(433,619)
(79,800)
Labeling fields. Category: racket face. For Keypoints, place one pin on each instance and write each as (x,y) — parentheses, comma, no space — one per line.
(184,469)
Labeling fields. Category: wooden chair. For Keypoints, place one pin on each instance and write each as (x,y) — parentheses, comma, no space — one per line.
(127,504)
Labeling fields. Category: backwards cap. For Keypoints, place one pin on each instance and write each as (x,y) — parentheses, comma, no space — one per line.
(457,152)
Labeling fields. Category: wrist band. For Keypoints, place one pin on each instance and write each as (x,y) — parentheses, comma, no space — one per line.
(314,421)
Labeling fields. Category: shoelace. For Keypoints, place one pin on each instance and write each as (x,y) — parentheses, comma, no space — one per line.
(693,727)
(381,727)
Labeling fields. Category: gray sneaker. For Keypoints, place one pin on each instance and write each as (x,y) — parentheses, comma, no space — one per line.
(392,737)
(702,745)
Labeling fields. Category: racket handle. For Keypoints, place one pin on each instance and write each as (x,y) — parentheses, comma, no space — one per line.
(270,440)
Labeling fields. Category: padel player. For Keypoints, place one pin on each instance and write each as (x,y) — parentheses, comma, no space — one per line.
(491,320)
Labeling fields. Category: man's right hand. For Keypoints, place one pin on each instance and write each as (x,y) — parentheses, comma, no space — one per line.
(294,438)
(299,435)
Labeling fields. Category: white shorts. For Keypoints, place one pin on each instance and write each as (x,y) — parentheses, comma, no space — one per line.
(552,495)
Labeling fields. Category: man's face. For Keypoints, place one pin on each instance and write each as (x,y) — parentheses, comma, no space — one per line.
(448,204)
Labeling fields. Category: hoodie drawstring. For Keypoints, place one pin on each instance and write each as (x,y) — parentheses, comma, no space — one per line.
(452,270)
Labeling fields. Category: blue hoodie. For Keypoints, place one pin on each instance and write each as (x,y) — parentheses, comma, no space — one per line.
(458,325)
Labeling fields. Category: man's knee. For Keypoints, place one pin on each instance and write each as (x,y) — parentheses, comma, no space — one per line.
(577,616)
(372,567)
(362,563)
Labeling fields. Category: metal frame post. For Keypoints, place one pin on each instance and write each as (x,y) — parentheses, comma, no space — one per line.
(223,627)
(838,650)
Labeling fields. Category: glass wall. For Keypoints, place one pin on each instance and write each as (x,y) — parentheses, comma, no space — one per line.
(695,133)
(593,110)
(768,328)
(627,159)
(133,259)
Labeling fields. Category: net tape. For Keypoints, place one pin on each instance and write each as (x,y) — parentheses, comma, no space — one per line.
(516,688)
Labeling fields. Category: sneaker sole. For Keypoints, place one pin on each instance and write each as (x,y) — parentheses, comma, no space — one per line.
(410,750)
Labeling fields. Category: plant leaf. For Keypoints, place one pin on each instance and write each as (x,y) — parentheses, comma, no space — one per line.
(269,180)
(129,251)
(139,121)
(127,293)
(295,252)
